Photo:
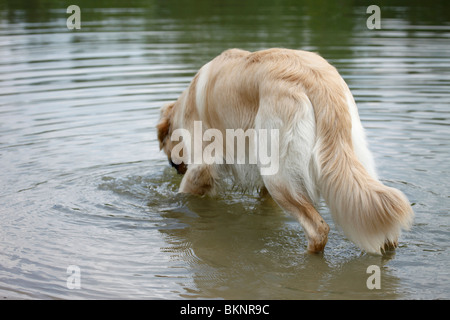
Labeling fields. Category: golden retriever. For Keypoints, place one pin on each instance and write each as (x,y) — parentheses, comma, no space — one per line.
(321,146)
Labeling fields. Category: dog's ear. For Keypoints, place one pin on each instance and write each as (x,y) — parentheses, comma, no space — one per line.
(163,130)
(163,126)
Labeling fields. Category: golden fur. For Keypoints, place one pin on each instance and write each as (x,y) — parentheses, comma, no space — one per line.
(322,143)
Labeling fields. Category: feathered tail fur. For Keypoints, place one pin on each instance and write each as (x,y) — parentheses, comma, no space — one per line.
(370,213)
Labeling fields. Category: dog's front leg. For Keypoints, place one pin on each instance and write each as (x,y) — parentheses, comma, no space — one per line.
(199,179)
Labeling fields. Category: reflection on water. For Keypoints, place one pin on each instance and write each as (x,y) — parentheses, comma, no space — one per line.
(83,182)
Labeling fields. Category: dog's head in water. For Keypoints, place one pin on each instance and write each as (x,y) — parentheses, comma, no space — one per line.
(164,130)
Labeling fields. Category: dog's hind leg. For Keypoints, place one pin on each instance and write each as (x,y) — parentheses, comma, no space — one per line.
(293,186)
(301,208)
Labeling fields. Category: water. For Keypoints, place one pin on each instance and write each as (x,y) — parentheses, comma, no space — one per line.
(82,182)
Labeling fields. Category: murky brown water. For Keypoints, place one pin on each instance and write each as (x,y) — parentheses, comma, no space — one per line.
(82,182)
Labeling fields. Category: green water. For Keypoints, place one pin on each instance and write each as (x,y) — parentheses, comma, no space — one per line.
(82,181)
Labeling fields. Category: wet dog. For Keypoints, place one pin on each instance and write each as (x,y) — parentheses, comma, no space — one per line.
(321,147)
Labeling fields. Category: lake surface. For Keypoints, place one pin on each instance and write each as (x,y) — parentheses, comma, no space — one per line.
(85,193)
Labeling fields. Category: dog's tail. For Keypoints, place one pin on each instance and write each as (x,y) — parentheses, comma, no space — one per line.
(370,213)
